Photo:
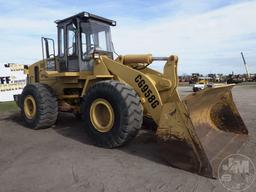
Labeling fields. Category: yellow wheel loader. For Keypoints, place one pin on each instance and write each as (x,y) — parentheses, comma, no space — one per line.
(114,95)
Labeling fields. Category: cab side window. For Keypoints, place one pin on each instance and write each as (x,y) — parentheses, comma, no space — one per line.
(61,42)
(71,40)
(84,44)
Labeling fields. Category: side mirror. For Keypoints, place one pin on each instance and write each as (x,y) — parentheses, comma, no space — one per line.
(47,52)
(48,48)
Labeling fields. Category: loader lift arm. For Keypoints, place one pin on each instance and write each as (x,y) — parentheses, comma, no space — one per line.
(167,109)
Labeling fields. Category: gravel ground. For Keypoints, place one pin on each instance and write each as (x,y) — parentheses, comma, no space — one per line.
(63,158)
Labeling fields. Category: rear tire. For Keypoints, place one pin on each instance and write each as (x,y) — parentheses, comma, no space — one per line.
(39,106)
(123,112)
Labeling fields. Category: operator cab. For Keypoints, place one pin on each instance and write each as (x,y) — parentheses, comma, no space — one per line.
(79,38)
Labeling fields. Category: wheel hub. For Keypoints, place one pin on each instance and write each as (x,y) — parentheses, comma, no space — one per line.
(30,107)
(102,115)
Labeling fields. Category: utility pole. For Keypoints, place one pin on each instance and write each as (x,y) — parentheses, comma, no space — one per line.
(245,65)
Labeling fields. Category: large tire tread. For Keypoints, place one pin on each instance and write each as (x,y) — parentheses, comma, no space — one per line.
(47,106)
(131,121)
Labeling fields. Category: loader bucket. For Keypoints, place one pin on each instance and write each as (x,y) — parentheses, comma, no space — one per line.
(207,128)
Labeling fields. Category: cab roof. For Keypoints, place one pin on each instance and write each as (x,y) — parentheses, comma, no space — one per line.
(85,16)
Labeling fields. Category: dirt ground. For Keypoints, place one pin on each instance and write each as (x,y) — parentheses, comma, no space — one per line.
(63,158)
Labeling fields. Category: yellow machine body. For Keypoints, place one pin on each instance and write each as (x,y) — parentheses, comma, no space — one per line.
(196,133)
(206,124)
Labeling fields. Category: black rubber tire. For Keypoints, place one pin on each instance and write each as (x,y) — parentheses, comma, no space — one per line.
(46,106)
(127,110)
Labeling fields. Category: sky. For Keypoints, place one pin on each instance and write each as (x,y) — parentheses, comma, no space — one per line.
(207,35)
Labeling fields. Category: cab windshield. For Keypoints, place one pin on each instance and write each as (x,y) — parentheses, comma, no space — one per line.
(95,36)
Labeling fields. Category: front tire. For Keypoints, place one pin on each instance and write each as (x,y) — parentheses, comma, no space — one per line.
(112,113)
(39,107)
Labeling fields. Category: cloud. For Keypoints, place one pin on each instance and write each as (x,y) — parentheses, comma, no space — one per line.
(207,36)
(206,42)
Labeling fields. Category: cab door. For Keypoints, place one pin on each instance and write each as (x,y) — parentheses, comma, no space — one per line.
(68,47)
